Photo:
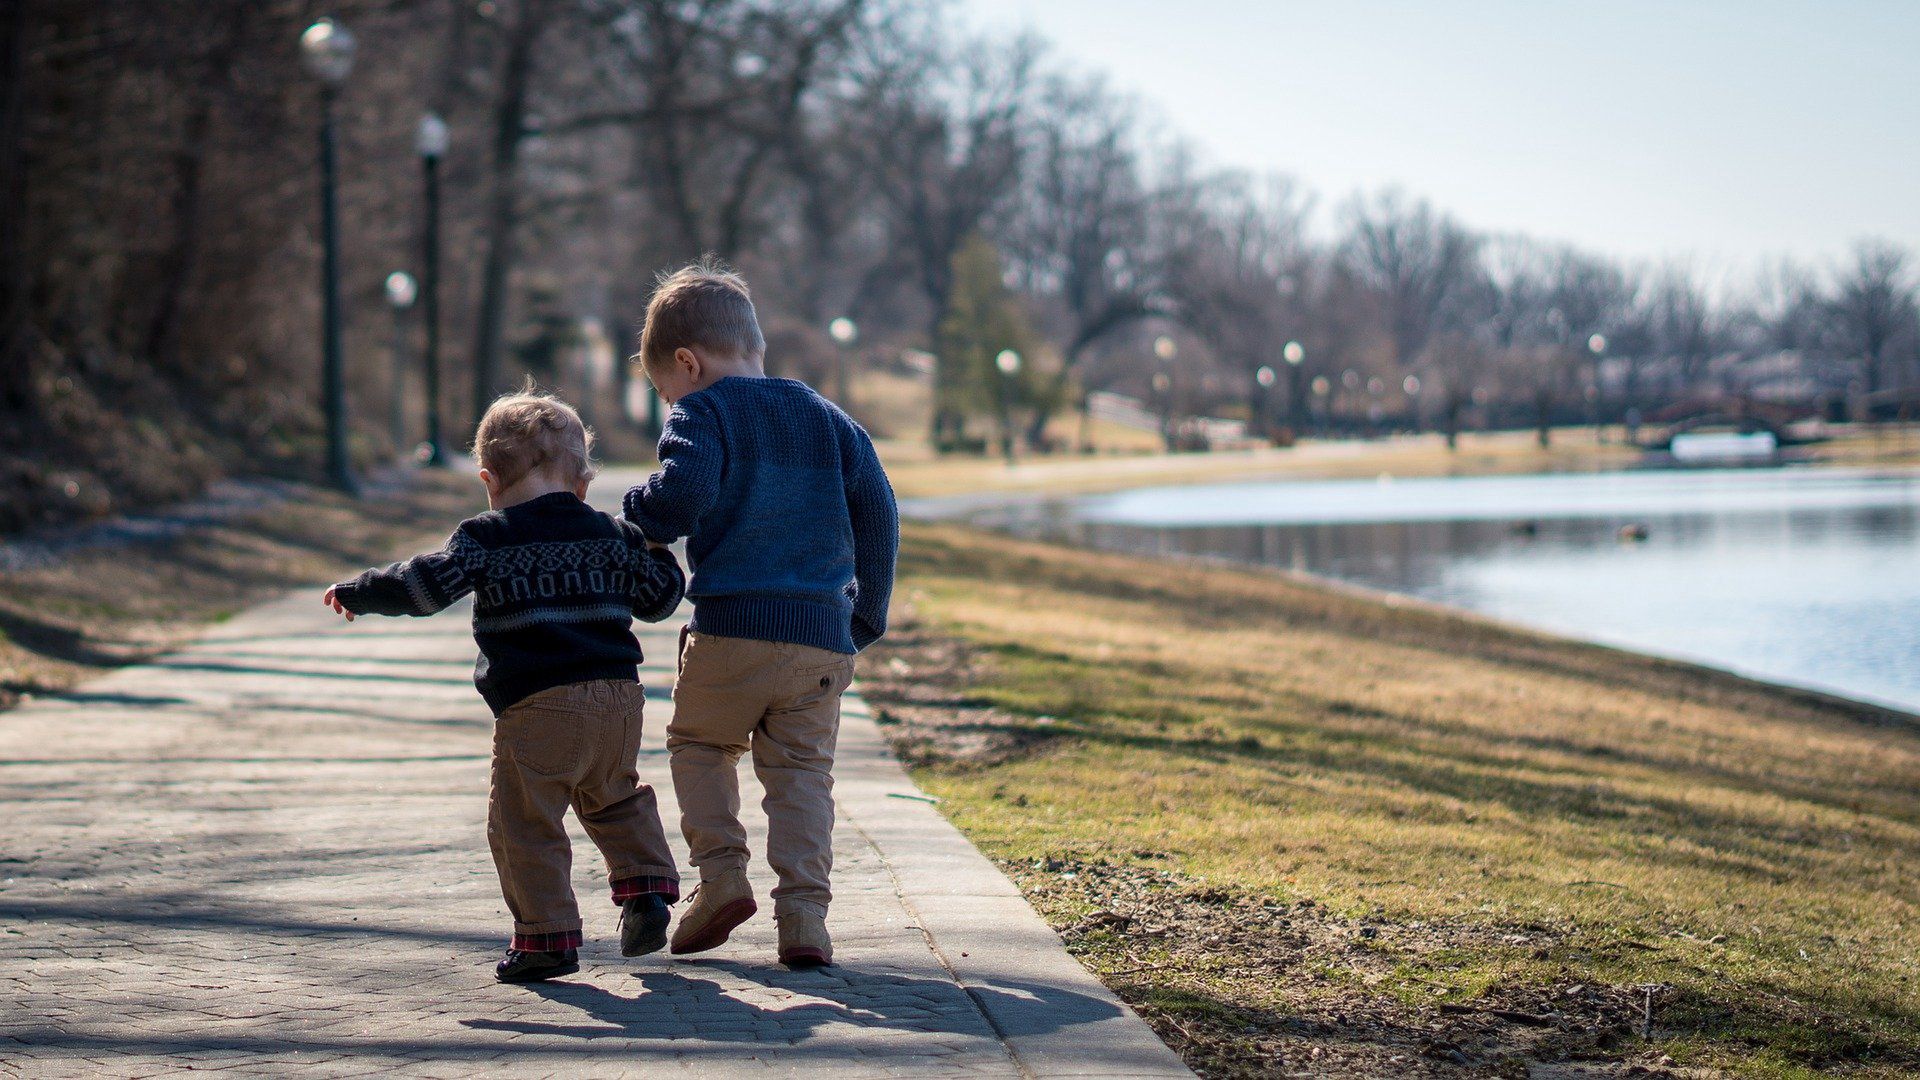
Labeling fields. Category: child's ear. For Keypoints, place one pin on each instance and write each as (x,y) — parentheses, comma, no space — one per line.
(688,361)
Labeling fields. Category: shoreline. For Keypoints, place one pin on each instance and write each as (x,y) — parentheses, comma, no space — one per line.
(1002,513)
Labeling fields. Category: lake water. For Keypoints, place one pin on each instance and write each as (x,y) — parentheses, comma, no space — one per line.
(1809,577)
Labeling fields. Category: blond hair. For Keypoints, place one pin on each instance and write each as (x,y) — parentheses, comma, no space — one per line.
(533,431)
(705,306)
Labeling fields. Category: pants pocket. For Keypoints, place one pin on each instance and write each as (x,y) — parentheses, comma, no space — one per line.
(543,741)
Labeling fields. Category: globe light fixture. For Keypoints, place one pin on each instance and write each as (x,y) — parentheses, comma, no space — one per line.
(1008,362)
(1165,347)
(1264,376)
(431,139)
(843,331)
(327,49)
(1293,353)
(401,290)
(1597,344)
(1411,384)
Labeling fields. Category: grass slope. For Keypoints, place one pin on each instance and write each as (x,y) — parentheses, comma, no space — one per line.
(1282,817)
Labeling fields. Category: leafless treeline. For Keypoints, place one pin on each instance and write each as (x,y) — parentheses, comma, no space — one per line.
(158,252)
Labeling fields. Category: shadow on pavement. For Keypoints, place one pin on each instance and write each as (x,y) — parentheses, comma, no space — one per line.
(673,1005)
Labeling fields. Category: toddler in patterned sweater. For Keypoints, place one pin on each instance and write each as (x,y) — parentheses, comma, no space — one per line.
(556,586)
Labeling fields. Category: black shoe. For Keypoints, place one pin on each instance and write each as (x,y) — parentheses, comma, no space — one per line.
(643,924)
(525,967)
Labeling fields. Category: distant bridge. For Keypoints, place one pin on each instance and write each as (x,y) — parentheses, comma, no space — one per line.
(1744,415)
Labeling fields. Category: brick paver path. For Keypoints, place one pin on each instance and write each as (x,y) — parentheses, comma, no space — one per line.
(266,854)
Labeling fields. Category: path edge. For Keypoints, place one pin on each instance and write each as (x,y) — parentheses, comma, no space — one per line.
(984,931)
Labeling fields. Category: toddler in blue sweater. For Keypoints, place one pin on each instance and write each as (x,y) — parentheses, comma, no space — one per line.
(791,534)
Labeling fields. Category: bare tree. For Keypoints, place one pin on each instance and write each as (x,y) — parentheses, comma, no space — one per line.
(1081,237)
(1872,308)
(1235,270)
(947,141)
(1424,267)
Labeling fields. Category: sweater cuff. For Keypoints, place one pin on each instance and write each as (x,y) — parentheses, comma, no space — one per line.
(634,509)
(347,592)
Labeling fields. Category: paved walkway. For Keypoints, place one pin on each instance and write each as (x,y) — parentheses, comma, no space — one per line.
(266,854)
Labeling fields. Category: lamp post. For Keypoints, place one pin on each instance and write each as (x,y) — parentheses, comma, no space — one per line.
(401,291)
(1263,380)
(1294,354)
(431,142)
(1166,349)
(1009,364)
(327,49)
(1411,387)
(1597,346)
(844,333)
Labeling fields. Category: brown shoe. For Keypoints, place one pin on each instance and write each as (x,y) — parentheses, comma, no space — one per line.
(718,905)
(803,940)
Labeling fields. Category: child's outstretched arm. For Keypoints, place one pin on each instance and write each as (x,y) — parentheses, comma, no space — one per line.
(876,541)
(421,585)
(672,501)
(658,581)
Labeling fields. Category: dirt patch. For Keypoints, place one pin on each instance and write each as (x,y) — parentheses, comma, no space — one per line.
(1243,985)
(918,684)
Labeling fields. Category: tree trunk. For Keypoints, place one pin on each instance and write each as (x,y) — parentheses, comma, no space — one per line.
(509,128)
(181,260)
(16,368)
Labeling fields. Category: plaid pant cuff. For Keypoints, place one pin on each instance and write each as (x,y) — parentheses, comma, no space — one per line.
(627,888)
(557,941)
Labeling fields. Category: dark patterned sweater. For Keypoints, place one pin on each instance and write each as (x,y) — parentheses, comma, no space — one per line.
(790,523)
(556,586)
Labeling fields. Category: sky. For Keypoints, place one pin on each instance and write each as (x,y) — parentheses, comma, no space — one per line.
(1724,133)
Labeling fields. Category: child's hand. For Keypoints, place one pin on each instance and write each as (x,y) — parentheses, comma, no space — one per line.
(334,603)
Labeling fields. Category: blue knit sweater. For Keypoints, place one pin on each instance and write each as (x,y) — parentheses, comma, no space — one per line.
(790,522)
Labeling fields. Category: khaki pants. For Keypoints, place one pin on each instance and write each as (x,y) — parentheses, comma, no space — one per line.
(782,701)
(573,746)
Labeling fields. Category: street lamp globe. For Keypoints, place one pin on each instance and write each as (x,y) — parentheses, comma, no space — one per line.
(1375,386)
(1165,347)
(401,290)
(1411,384)
(327,48)
(843,331)
(1293,353)
(431,139)
(1321,386)
(1350,379)
(1264,376)
(1008,361)
(1597,344)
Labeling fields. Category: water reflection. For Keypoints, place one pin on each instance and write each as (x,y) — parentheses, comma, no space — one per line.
(1803,577)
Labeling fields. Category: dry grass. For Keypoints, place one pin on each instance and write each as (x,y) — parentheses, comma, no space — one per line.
(916,471)
(103,607)
(1749,849)
(1874,446)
